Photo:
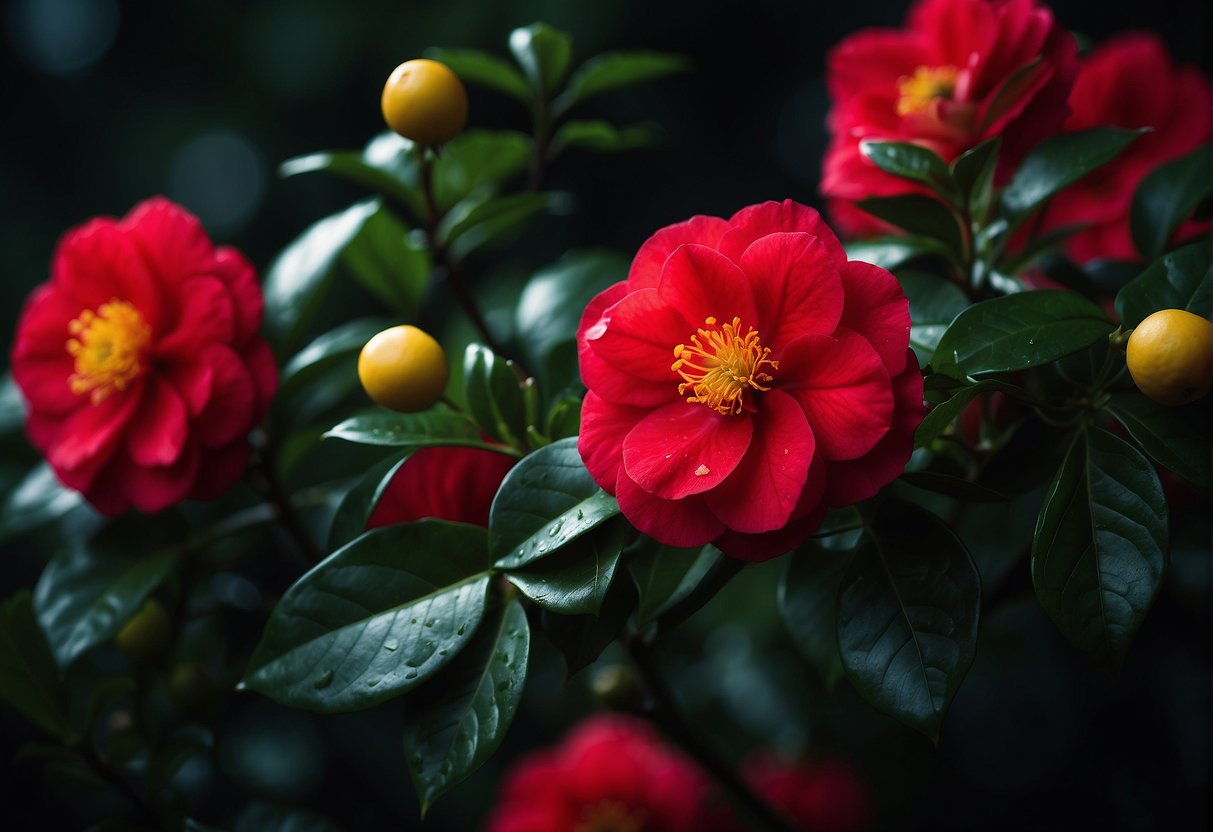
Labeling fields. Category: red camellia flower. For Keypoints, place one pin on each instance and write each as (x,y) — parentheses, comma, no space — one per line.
(456,484)
(961,71)
(141,363)
(745,377)
(1130,81)
(610,773)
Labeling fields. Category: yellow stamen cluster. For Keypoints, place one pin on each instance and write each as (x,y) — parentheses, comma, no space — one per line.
(612,816)
(108,346)
(917,91)
(721,364)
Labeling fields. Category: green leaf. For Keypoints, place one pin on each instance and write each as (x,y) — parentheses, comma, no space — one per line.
(375,618)
(359,503)
(455,724)
(337,346)
(912,162)
(973,171)
(907,616)
(492,389)
(485,69)
(469,226)
(895,250)
(724,570)
(298,279)
(934,304)
(387,166)
(918,214)
(564,419)
(808,604)
(612,70)
(438,426)
(391,263)
(665,575)
(12,406)
(1176,437)
(546,501)
(29,680)
(1018,331)
(576,579)
(949,486)
(1060,161)
(582,638)
(478,163)
(543,52)
(88,592)
(1100,547)
(38,499)
(1178,280)
(1166,198)
(599,137)
(942,414)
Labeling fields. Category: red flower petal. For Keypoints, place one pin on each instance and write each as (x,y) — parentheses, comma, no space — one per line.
(97,263)
(632,368)
(93,431)
(700,282)
(796,286)
(757,548)
(600,442)
(765,487)
(456,484)
(153,489)
(685,522)
(192,380)
(877,309)
(241,281)
(172,240)
(159,428)
(44,383)
(264,368)
(645,272)
(748,224)
(228,414)
(844,389)
(206,315)
(685,448)
(219,469)
(854,480)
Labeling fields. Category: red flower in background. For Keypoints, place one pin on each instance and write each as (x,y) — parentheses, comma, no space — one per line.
(961,71)
(610,773)
(456,484)
(745,377)
(825,796)
(140,361)
(1129,81)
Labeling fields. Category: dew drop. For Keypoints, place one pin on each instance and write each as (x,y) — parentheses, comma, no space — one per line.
(324,680)
(412,674)
(580,514)
(370,683)
(391,644)
(461,630)
(702,471)
(555,530)
(667,456)
(429,623)
(785,451)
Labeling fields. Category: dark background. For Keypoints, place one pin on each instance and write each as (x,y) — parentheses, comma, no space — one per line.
(109,102)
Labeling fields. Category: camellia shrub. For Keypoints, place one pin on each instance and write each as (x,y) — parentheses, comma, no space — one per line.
(1004,301)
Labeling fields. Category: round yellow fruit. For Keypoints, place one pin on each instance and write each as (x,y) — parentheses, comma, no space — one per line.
(149,632)
(403,369)
(424,101)
(1170,356)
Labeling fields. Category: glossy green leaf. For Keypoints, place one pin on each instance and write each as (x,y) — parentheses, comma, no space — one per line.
(808,605)
(375,618)
(387,166)
(1176,437)
(12,406)
(391,263)
(1178,280)
(564,419)
(934,304)
(476,67)
(338,345)
(912,162)
(455,724)
(29,680)
(582,638)
(38,499)
(1018,331)
(438,426)
(612,70)
(918,214)
(973,172)
(1100,547)
(574,580)
(470,226)
(547,500)
(665,575)
(896,250)
(907,616)
(599,137)
(543,52)
(478,162)
(493,391)
(86,593)
(359,502)
(949,486)
(1060,161)
(942,414)
(1166,198)
(723,571)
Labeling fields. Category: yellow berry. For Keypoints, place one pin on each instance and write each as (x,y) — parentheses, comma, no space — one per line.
(424,101)
(1170,356)
(149,632)
(403,369)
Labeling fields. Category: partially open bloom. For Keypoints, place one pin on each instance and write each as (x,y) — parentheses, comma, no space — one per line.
(456,484)
(610,773)
(141,363)
(1130,81)
(745,377)
(961,71)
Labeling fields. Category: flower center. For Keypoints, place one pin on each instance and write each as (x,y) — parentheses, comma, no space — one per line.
(721,364)
(611,816)
(917,91)
(107,345)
